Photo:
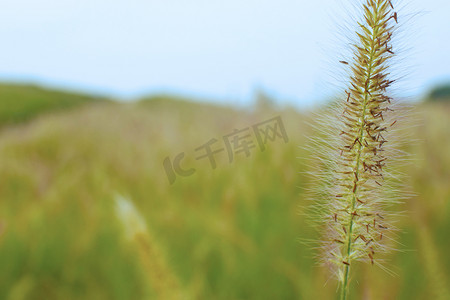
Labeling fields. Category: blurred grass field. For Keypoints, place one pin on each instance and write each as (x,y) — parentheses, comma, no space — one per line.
(228,233)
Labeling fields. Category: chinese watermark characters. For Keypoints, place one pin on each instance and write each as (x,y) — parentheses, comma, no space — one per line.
(236,142)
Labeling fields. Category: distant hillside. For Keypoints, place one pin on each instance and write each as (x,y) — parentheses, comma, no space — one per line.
(163,101)
(440,93)
(22,102)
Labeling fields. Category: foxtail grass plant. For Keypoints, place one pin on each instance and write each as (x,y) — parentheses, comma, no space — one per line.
(162,279)
(355,191)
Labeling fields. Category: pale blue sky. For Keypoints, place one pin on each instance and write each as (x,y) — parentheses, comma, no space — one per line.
(215,49)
